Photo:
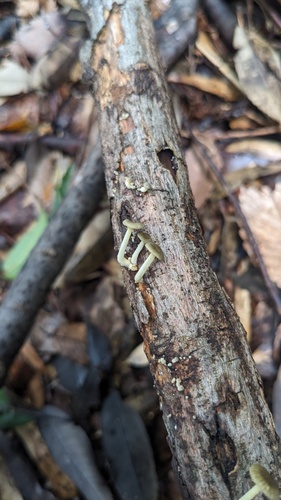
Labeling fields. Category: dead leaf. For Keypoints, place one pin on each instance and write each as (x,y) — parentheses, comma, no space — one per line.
(258,83)
(71,448)
(54,67)
(124,435)
(14,79)
(15,214)
(212,85)
(199,178)
(242,304)
(53,334)
(20,114)
(46,29)
(137,357)
(264,361)
(262,208)
(93,247)
(239,177)
(12,180)
(27,8)
(39,453)
(207,49)
(261,147)
(8,488)
(266,53)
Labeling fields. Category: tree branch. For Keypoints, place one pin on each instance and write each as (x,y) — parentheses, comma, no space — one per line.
(29,289)
(210,392)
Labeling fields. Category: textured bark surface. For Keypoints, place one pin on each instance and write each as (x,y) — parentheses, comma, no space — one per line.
(211,395)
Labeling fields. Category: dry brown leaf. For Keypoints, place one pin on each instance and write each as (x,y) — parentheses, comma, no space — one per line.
(27,8)
(52,334)
(8,488)
(258,83)
(39,453)
(241,123)
(207,49)
(201,185)
(46,169)
(263,147)
(242,304)
(12,180)
(262,208)
(20,114)
(86,258)
(35,390)
(25,365)
(108,314)
(239,177)
(216,86)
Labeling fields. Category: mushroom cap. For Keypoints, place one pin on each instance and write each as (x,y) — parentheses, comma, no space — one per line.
(144,237)
(155,250)
(132,225)
(265,481)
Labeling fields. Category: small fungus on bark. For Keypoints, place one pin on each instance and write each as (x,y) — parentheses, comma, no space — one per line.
(144,238)
(131,226)
(264,483)
(155,252)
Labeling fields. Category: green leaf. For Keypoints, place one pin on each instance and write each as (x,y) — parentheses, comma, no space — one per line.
(62,188)
(10,417)
(19,254)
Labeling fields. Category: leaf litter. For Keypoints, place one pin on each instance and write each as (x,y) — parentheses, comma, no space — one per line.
(84,345)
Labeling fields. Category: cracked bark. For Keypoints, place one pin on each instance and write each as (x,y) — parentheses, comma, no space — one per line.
(210,393)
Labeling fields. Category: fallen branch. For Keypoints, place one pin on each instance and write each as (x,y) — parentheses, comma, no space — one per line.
(29,289)
(26,295)
(210,392)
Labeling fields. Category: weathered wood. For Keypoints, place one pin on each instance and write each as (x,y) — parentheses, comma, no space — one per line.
(210,393)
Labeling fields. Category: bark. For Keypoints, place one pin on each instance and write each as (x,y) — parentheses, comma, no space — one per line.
(210,392)
(29,289)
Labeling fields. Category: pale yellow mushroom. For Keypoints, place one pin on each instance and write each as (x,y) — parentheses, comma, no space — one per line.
(155,253)
(144,238)
(264,483)
(131,226)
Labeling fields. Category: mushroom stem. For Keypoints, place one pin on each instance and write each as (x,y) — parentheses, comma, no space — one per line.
(144,267)
(264,483)
(144,238)
(136,253)
(131,226)
(251,493)
(121,254)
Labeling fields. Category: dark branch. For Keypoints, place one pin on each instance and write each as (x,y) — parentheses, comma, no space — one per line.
(29,289)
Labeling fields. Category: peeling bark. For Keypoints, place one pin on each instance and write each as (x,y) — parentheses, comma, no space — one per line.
(210,392)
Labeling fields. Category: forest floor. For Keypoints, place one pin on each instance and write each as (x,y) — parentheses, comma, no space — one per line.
(79,394)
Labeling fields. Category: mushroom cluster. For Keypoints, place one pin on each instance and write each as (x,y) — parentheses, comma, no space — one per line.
(145,241)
